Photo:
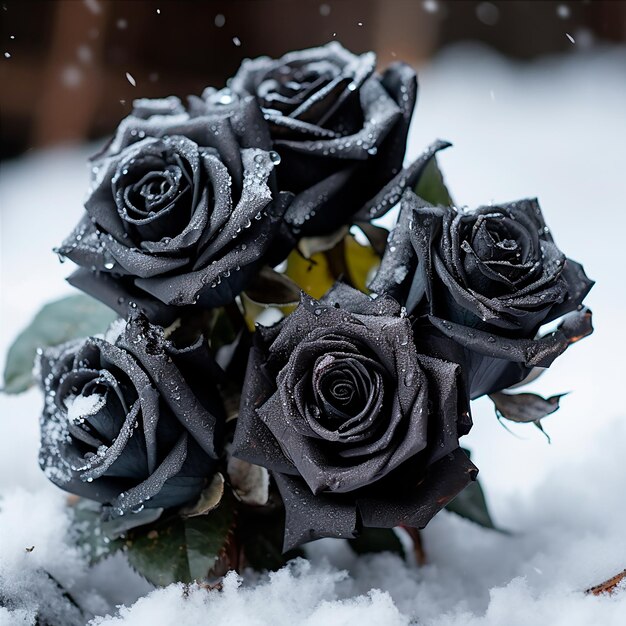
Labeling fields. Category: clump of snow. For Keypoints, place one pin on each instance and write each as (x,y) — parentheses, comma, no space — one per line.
(298,594)
(115,330)
(553,129)
(37,564)
(79,407)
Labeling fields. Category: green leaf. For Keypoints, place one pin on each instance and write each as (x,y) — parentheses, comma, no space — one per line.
(89,534)
(431,186)
(377,540)
(472,505)
(57,322)
(260,531)
(271,288)
(181,550)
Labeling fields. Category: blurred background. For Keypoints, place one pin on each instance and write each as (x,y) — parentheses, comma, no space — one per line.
(69,69)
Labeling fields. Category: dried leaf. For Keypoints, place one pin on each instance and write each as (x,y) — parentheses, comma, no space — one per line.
(250,482)
(608,586)
(524,407)
(210,497)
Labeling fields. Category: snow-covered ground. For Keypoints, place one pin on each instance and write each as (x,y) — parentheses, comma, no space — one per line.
(554,129)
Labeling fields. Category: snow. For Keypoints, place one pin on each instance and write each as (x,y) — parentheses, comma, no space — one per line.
(78,407)
(553,129)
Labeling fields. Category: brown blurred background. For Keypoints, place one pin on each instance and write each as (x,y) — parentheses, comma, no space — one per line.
(67,67)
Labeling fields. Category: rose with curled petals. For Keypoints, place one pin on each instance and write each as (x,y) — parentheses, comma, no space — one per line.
(357,427)
(487,279)
(339,127)
(239,126)
(173,219)
(131,422)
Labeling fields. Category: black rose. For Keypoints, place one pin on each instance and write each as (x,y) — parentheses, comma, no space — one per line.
(181,216)
(131,421)
(358,428)
(339,127)
(488,279)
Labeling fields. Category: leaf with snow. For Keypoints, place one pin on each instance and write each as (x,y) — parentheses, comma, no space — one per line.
(57,322)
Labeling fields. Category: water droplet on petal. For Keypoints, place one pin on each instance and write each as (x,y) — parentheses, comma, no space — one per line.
(274,157)
(226,96)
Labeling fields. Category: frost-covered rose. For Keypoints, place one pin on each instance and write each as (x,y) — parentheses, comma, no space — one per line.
(488,279)
(357,427)
(339,127)
(130,421)
(181,211)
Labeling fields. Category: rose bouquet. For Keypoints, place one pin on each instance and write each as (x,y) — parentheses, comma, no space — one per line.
(282,368)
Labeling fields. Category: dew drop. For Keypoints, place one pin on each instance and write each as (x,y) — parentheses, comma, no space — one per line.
(274,157)
(226,96)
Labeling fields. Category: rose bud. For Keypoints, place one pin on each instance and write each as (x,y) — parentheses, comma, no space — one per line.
(339,127)
(487,279)
(177,219)
(357,427)
(131,421)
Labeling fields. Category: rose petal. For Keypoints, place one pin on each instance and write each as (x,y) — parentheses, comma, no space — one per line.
(310,517)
